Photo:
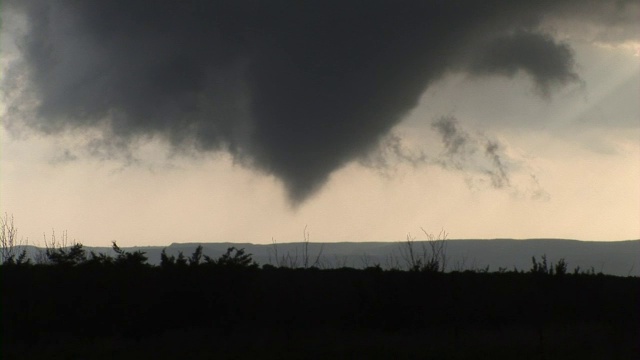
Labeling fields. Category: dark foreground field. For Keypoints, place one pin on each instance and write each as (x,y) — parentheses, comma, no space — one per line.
(106,310)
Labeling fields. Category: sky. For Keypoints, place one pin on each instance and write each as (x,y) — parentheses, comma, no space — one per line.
(149,123)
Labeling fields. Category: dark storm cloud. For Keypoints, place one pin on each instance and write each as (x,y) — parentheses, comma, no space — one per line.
(538,55)
(295,89)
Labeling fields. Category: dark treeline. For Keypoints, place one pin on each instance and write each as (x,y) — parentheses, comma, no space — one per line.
(237,309)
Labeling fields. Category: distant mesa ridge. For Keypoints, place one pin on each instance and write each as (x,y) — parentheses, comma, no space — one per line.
(621,258)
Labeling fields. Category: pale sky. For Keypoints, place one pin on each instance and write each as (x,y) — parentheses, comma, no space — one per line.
(523,161)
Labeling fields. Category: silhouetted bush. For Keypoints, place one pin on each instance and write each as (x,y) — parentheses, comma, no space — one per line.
(98,260)
(543,268)
(233,258)
(560,267)
(129,259)
(9,244)
(431,257)
(230,300)
(196,257)
(223,300)
(72,256)
(20,260)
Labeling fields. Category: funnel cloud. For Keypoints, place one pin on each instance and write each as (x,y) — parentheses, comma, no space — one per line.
(295,89)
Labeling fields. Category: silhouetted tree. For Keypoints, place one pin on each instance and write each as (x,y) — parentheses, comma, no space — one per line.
(233,258)
(561,267)
(541,267)
(99,259)
(196,257)
(136,258)
(9,243)
(544,268)
(181,260)
(72,256)
(167,261)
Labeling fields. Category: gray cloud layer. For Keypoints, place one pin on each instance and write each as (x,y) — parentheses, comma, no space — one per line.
(295,89)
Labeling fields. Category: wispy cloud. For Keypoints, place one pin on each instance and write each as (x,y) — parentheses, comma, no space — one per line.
(483,160)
